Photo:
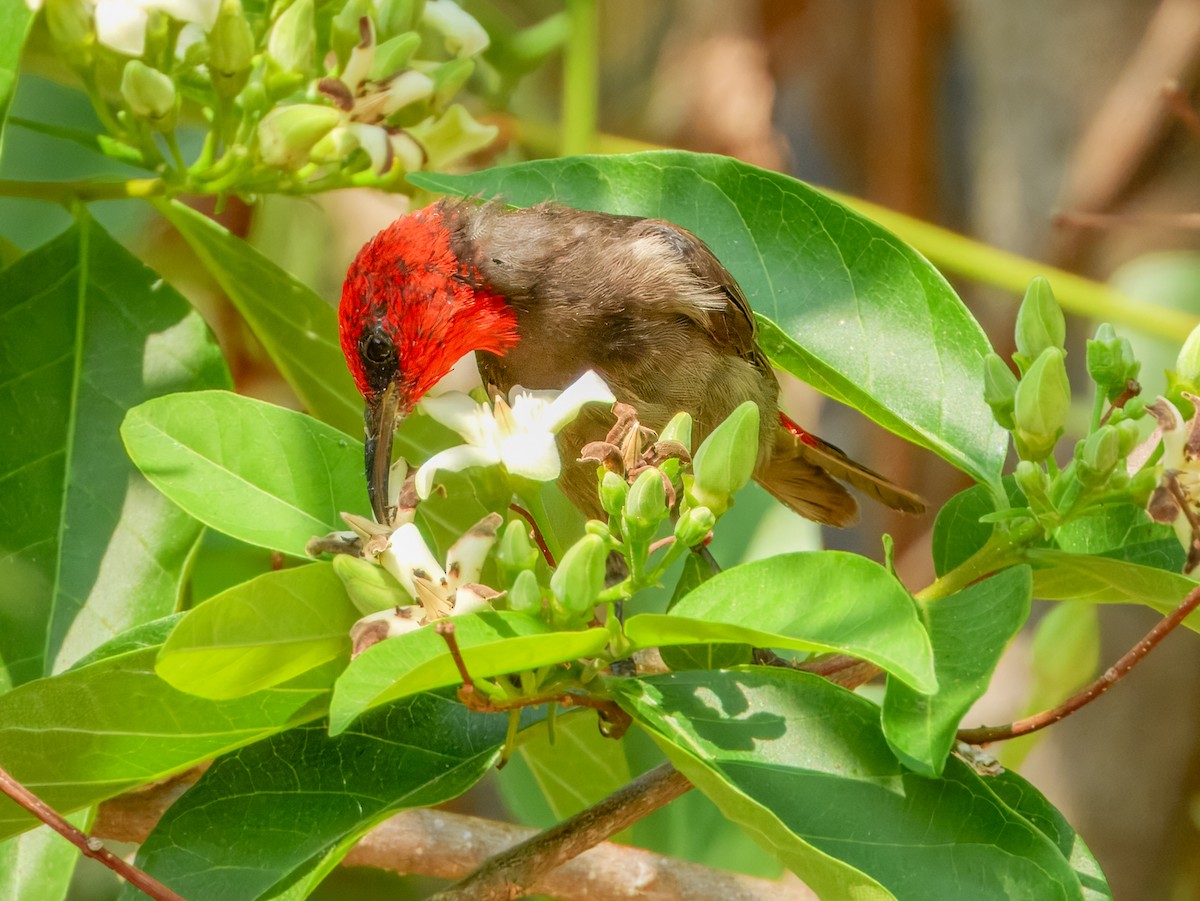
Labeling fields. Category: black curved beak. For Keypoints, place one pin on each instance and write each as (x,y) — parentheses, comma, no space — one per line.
(381,417)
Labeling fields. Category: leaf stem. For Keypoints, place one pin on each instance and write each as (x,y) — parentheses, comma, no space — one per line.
(67,193)
(581,66)
(1003,548)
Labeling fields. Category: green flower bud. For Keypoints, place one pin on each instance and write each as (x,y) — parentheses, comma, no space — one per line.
(452,136)
(694,526)
(726,459)
(1128,435)
(646,505)
(287,133)
(1110,361)
(678,429)
(1099,456)
(525,596)
(371,588)
(1042,402)
(598,528)
(293,39)
(1040,324)
(346,29)
(232,44)
(1142,485)
(398,16)
(579,578)
(515,553)
(393,55)
(149,94)
(613,491)
(253,99)
(1034,484)
(999,389)
(1187,365)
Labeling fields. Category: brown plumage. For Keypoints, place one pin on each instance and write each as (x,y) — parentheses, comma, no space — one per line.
(546,293)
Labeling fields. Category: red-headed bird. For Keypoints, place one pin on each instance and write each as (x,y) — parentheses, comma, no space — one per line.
(542,295)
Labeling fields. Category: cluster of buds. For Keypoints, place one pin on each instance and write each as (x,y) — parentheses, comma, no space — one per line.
(1034,405)
(290,97)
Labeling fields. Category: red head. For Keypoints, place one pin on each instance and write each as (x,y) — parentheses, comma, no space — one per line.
(413,304)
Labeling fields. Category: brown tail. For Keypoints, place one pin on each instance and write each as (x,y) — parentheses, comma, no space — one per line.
(802,472)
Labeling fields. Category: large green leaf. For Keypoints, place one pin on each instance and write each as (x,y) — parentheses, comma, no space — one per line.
(96,731)
(297,328)
(1059,576)
(803,765)
(260,633)
(807,601)
(265,474)
(492,644)
(86,332)
(842,304)
(15,19)
(284,811)
(38,865)
(969,630)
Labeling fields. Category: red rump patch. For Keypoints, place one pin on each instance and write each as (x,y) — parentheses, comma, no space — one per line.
(432,303)
(806,437)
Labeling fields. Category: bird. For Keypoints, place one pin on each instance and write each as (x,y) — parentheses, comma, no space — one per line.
(544,293)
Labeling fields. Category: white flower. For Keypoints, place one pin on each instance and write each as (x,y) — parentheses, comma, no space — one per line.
(517,434)
(121,24)
(439,591)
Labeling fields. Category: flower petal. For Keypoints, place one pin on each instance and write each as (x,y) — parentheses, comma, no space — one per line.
(588,388)
(376,627)
(531,455)
(468,601)
(458,411)
(121,26)
(463,35)
(453,460)
(406,551)
(464,560)
(199,12)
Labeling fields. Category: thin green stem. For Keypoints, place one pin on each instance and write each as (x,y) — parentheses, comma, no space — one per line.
(1097,411)
(581,77)
(67,193)
(1004,548)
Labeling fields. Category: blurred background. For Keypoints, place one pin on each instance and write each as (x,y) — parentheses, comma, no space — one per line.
(1036,126)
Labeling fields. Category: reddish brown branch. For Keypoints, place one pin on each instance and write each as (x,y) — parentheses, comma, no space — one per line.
(512,873)
(91,847)
(1111,677)
(1083,219)
(1178,103)
(538,537)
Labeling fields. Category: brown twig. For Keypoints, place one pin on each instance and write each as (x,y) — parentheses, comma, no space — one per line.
(1111,677)
(1132,389)
(1178,103)
(514,872)
(538,537)
(91,847)
(448,845)
(1083,219)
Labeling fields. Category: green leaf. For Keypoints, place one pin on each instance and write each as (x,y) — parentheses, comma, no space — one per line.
(97,731)
(804,766)
(15,19)
(969,630)
(1026,800)
(573,767)
(842,304)
(90,549)
(38,865)
(284,811)
(492,644)
(957,531)
(1125,531)
(297,328)
(1059,576)
(260,633)
(807,601)
(265,474)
